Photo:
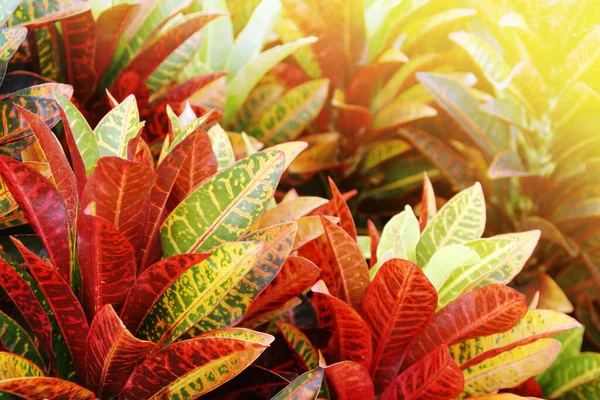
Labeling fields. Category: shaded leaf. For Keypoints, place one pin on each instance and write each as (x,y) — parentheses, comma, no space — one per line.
(305,387)
(45,388)
(350,381)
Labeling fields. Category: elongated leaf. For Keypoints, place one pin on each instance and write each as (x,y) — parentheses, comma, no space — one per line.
(59,165)
(238,195)
(423,26)
(399,304)
(300,344)
(582,57)
(485,311)
(382,151)
(351,339)
(403,226)
(182,306)
(64,304)
(507,164)
(511,368)
(589,390)
(342,210)
(434,377)
(16,340)
(509,111)
(400,113)
(221,147)
(349,267)
(82,133)
(152,283)
(305,387)
(486,131)
(287,118)
(106,261)
(45,388)
(112,353)
(7,9)
(460,220)
(536,324)
(297,274)
(251,73)
(573,372)
(15,366)
(121,189)
(79,38)
(446,261)
(10,40)
(218,36)
(260,99)
(210,362)
(350,381)
(290,210)
(44,209)
(277,242)
(117,128)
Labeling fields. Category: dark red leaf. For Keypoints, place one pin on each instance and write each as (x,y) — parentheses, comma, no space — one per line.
(64,179)
(254,382)
(342,210)
(350,381)
(436,377)
(106,261)
(44,208)
(152,283)
(120,189)
(79,39)
(112,353)
(351,339)
(45,388)
(65,306)
(399,304)
(484,311)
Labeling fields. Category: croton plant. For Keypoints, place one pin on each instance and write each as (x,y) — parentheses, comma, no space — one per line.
(186,278)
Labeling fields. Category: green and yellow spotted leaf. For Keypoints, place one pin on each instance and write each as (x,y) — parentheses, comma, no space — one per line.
(510,368)
(10,40)
(460,220)
(198,292)
(15,366)
(221,147)
(306,386)
(289,32)
(246,335)
(300,344)
(492,252)
(6,9)
(49,59)
(570,374)
(260,99)
(571,346)
(18,341)
(287,118)
(117,128)
(225,206)
(586,391)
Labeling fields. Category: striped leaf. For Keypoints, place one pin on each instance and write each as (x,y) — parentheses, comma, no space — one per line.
(342,210)
(536,324)
(305,387)
(287,118)
(112,353)
(571,344)
(117,128)
(399,304)
(350,381)
(197,292)
(570,374)
(16,340)
(483,312)
(402,227)
(460,220)
(7,8)
(589,390)
(435,377)
(79,37)
(14,366)
(510,368)
(300,345)
(45,388)
(210,362)
(10,40)
(218,37)
(290,210)
(260,99)
(221,147)
(238,195)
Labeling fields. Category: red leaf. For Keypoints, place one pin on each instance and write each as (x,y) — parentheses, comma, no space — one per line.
(399,304)
(375,238)
(179,359)
(59,165)
(152,283)
(44,209)
(150,57)
(45,388)
(348,263)
(107,263)
(120,189)
(79,38)
(64,304)
(436,377)
(165,175)
(350,381)
(366,80)
(76,159)
(351,339)
(342,210)
(22,296)
(329,208)
(297,274)
(484,311)
(109,27)
(200,164)
(112,353)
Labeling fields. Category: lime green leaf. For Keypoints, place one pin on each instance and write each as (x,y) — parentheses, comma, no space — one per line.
(221,147)
(447,260)
(218,37)
(571,344)
(404,225)
(571,373)
(401,112)
(18,341)
(225,206)
(460,220)
(260,99)
(117,128)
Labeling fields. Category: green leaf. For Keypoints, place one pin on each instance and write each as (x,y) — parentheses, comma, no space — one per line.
(460,220)
(260,99)
(571,373)
(18,341)
(225,206)
(306,386)
(251,73)
(218,37)
(447,260)
(6,9)
(405,226)
(571,346)
(117,128)
(250,41)
(15,366)
(10,40)
(287,118)
(221,147)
